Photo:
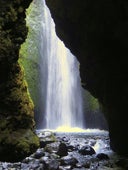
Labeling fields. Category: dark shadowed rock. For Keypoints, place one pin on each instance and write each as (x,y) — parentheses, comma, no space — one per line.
(63,150)
(68,160)
(43,143)
(39,153)
(71,148)
(122,162)
(102,156)
(87,164)
(96,33)
(87,150)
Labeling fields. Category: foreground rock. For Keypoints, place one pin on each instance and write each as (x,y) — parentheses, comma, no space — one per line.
(46,158)
(46,138)
(102,156)
(17,137)
(63,150)
(87,150)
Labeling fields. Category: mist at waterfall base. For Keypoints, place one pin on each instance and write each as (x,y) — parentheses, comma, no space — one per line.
(61,92)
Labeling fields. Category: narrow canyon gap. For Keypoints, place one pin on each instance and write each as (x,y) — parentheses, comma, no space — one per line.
(49,64)
(60,81)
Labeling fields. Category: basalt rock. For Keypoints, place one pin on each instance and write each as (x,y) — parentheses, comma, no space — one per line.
(63,150)
(102,156)
(87,150)
(17,137)
(96,32)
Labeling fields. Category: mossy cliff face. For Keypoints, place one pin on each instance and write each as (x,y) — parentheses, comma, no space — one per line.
(17,137)
(30,56)
(96,32)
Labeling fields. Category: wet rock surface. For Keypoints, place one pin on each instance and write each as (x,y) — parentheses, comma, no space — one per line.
(71,151)
(17,126)
(63,150)
(86,150)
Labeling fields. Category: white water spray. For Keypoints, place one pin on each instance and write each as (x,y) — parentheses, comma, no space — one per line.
(60,79)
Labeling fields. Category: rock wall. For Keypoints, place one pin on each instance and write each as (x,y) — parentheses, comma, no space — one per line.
(30,57)
(96,32)
(17,137)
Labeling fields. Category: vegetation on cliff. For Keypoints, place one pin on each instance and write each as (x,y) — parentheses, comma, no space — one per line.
(30,51)
(17,135)
(16,111)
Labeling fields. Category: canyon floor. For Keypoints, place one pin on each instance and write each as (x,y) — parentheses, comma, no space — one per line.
(87,150)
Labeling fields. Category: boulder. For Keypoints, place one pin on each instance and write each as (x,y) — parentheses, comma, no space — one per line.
(63,150)
(68,160)
(86,150)
(102,156)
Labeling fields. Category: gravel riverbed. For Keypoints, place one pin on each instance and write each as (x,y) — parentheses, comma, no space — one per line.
(88,150)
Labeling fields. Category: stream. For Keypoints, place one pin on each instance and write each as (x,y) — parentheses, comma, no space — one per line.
(89,150)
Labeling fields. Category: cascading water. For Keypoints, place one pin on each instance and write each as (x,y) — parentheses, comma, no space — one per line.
(60,81)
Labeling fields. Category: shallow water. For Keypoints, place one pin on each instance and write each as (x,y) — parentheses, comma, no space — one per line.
(47,158)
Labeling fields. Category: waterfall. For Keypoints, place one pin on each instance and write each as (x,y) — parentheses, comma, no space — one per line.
(60,80)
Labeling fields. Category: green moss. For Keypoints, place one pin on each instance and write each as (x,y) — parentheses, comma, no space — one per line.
(19,143)
(94,104)
(12,14)
(31,76)
(18,90)
(27,140)
(3,124)
(17,118)
(30,53)
(17,138)
(90,101)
